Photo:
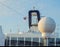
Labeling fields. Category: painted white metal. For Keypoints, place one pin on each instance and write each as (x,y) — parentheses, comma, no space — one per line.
(2,37)
(46,26)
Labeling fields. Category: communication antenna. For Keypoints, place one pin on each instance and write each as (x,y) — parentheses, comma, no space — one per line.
(10,30)
(18,28)
(33,7)
(46,26)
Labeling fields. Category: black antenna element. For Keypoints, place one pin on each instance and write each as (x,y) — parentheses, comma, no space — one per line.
(30,16)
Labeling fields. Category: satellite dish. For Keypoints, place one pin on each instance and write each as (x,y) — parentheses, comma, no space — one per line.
(46,26)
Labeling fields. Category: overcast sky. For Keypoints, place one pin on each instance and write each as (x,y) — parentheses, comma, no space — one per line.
(13,11)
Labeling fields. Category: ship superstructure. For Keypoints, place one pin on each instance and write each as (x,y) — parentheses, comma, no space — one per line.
(32,37)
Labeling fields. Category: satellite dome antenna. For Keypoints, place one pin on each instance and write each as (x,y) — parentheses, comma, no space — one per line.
(46,26)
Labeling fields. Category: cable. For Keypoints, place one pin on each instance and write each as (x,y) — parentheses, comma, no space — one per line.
(10,8)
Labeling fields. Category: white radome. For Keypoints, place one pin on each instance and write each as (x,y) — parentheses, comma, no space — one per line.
(46,26)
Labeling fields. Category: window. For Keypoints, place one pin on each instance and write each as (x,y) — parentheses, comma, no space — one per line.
(41,41)
(7,41)
(57,41)
(35,42)
(28,41)
(51,42)
(13,41)
(20,41)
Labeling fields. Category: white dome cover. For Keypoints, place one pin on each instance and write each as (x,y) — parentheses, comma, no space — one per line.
(46,25)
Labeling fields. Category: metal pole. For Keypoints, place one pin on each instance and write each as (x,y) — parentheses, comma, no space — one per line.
(45,41)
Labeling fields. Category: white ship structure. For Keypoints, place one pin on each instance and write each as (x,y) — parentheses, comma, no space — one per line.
(31,38)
